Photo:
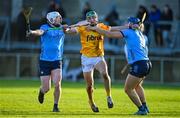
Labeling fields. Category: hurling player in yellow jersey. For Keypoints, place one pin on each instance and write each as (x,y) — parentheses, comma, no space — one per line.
(93,57)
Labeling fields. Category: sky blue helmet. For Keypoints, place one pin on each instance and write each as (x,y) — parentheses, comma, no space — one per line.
(51,16)
(134,20)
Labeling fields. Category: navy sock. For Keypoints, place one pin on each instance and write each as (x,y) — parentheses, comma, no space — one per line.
(55,105)
(141,108)
(144,104)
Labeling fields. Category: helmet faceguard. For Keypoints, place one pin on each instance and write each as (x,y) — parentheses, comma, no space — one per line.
(51,17)
(92,17)
(134,23)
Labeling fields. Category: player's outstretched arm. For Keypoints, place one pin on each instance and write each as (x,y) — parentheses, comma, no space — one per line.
(71,30)
(81,23)
(110,34)
(37,32)
(118,28)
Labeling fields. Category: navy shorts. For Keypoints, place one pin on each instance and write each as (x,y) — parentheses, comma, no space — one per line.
(45,67)
(140,68)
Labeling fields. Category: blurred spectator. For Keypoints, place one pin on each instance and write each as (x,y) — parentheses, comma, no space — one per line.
(57,6)
(166,15)
(60,9)
(113,20)
(86,8)
(21,26)
(154,17)
(113,17)
(51,6)
(142,9)
(57,1)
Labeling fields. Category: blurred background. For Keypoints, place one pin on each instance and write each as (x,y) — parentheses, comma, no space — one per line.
(19,56)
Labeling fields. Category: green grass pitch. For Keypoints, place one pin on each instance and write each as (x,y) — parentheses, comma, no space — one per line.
(18,98)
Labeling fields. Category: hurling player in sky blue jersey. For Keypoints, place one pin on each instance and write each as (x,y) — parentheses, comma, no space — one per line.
(137,57)
(50,63)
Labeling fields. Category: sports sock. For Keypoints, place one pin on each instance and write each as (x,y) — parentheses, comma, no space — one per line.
(141,108)
(144,104)
(55,105)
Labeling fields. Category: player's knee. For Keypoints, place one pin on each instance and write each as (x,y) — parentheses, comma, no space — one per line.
(57,88)
(90,87)
(127,90)
(105,75)
(46,89)
(57,85)
(103,72)
(138,87)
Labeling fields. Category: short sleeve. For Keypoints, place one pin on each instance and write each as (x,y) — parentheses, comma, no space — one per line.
(125,32)
(44,27)
(104,27)
(79,29)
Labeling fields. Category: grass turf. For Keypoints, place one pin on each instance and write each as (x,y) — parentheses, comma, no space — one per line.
(18,98)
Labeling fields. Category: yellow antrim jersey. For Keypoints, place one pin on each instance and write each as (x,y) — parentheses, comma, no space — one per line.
(91,41)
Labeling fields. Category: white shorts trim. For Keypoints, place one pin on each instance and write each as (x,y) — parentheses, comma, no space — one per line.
(88,63)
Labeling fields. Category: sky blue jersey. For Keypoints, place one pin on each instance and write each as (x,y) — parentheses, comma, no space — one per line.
(52,43)
(135,47)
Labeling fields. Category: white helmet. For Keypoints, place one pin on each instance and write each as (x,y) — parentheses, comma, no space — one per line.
(51,16)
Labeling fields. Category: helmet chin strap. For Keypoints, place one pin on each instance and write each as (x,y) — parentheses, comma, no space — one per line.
(57,25)
(54,25)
